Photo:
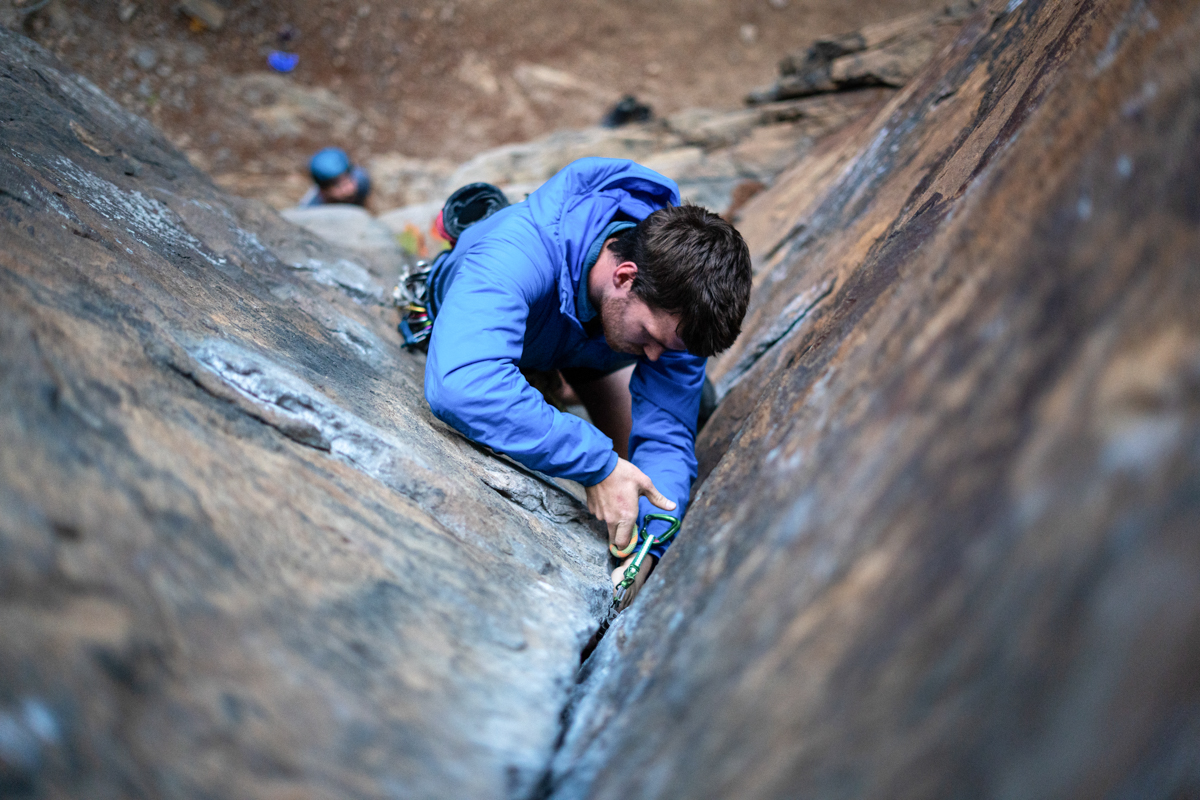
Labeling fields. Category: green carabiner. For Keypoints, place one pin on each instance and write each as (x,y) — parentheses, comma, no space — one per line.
(635,566)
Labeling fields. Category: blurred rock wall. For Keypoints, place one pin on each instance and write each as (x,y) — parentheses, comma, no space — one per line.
(946,543)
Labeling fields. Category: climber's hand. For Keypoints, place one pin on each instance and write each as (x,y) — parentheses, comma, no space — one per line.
(615,500)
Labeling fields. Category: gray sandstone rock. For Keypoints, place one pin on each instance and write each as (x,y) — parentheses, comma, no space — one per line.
(238,557)
(283,108)
(889,53)
(145,57)
(398,181)
(420,216)
(945,543)
(706,151)
(348,226)
(208,12)
(537,161)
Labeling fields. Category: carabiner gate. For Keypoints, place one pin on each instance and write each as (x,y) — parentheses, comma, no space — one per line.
(635,566)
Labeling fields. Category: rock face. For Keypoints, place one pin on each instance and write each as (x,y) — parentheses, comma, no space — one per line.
(712,155)
(349,225)
(946,544)
(884,54)
(718,157)
(238,557)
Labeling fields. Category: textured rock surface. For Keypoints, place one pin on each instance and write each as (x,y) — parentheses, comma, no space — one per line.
(281,109)
(238,558)
(351,226)
(947,541)
(884,54)
(709,153)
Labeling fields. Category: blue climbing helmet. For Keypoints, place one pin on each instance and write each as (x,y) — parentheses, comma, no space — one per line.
(329,163)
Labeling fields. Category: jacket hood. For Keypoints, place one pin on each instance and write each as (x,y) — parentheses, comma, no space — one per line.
(571,209)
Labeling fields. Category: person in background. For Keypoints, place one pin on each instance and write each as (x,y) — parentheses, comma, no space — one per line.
(338,181)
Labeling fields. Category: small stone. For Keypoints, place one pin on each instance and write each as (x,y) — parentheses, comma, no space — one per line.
(204,13)
(1124,166)
(145,58)
(1083,208)
(778,3)
(40,719)
(126,11)
(748,33)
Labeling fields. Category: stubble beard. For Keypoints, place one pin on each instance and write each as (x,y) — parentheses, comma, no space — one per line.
(612,311)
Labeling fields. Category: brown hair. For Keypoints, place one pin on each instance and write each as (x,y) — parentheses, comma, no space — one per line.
(692,263)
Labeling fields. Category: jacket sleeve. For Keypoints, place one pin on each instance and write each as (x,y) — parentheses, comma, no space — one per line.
(473,383)
(666,402)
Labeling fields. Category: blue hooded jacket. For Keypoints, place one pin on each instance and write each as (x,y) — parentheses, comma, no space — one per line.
(504,299)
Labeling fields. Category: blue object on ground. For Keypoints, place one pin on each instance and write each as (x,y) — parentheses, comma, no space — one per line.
(282,62)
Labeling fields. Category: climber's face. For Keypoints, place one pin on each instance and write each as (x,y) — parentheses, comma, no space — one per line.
(342,190)
(633,327)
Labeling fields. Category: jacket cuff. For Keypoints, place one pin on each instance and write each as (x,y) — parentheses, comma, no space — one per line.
(600,474)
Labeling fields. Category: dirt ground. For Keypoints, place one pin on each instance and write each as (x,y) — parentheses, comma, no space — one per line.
(442,79)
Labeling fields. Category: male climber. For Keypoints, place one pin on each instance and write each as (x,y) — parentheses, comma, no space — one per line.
(601,274)
(336,179)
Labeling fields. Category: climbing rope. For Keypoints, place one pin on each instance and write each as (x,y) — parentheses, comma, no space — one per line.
(647,541)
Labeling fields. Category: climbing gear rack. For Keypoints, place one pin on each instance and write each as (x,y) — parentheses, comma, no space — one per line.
(410,298)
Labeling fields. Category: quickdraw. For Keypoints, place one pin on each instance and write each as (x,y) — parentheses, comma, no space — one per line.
(415,322)
(631,573)
(647,541)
